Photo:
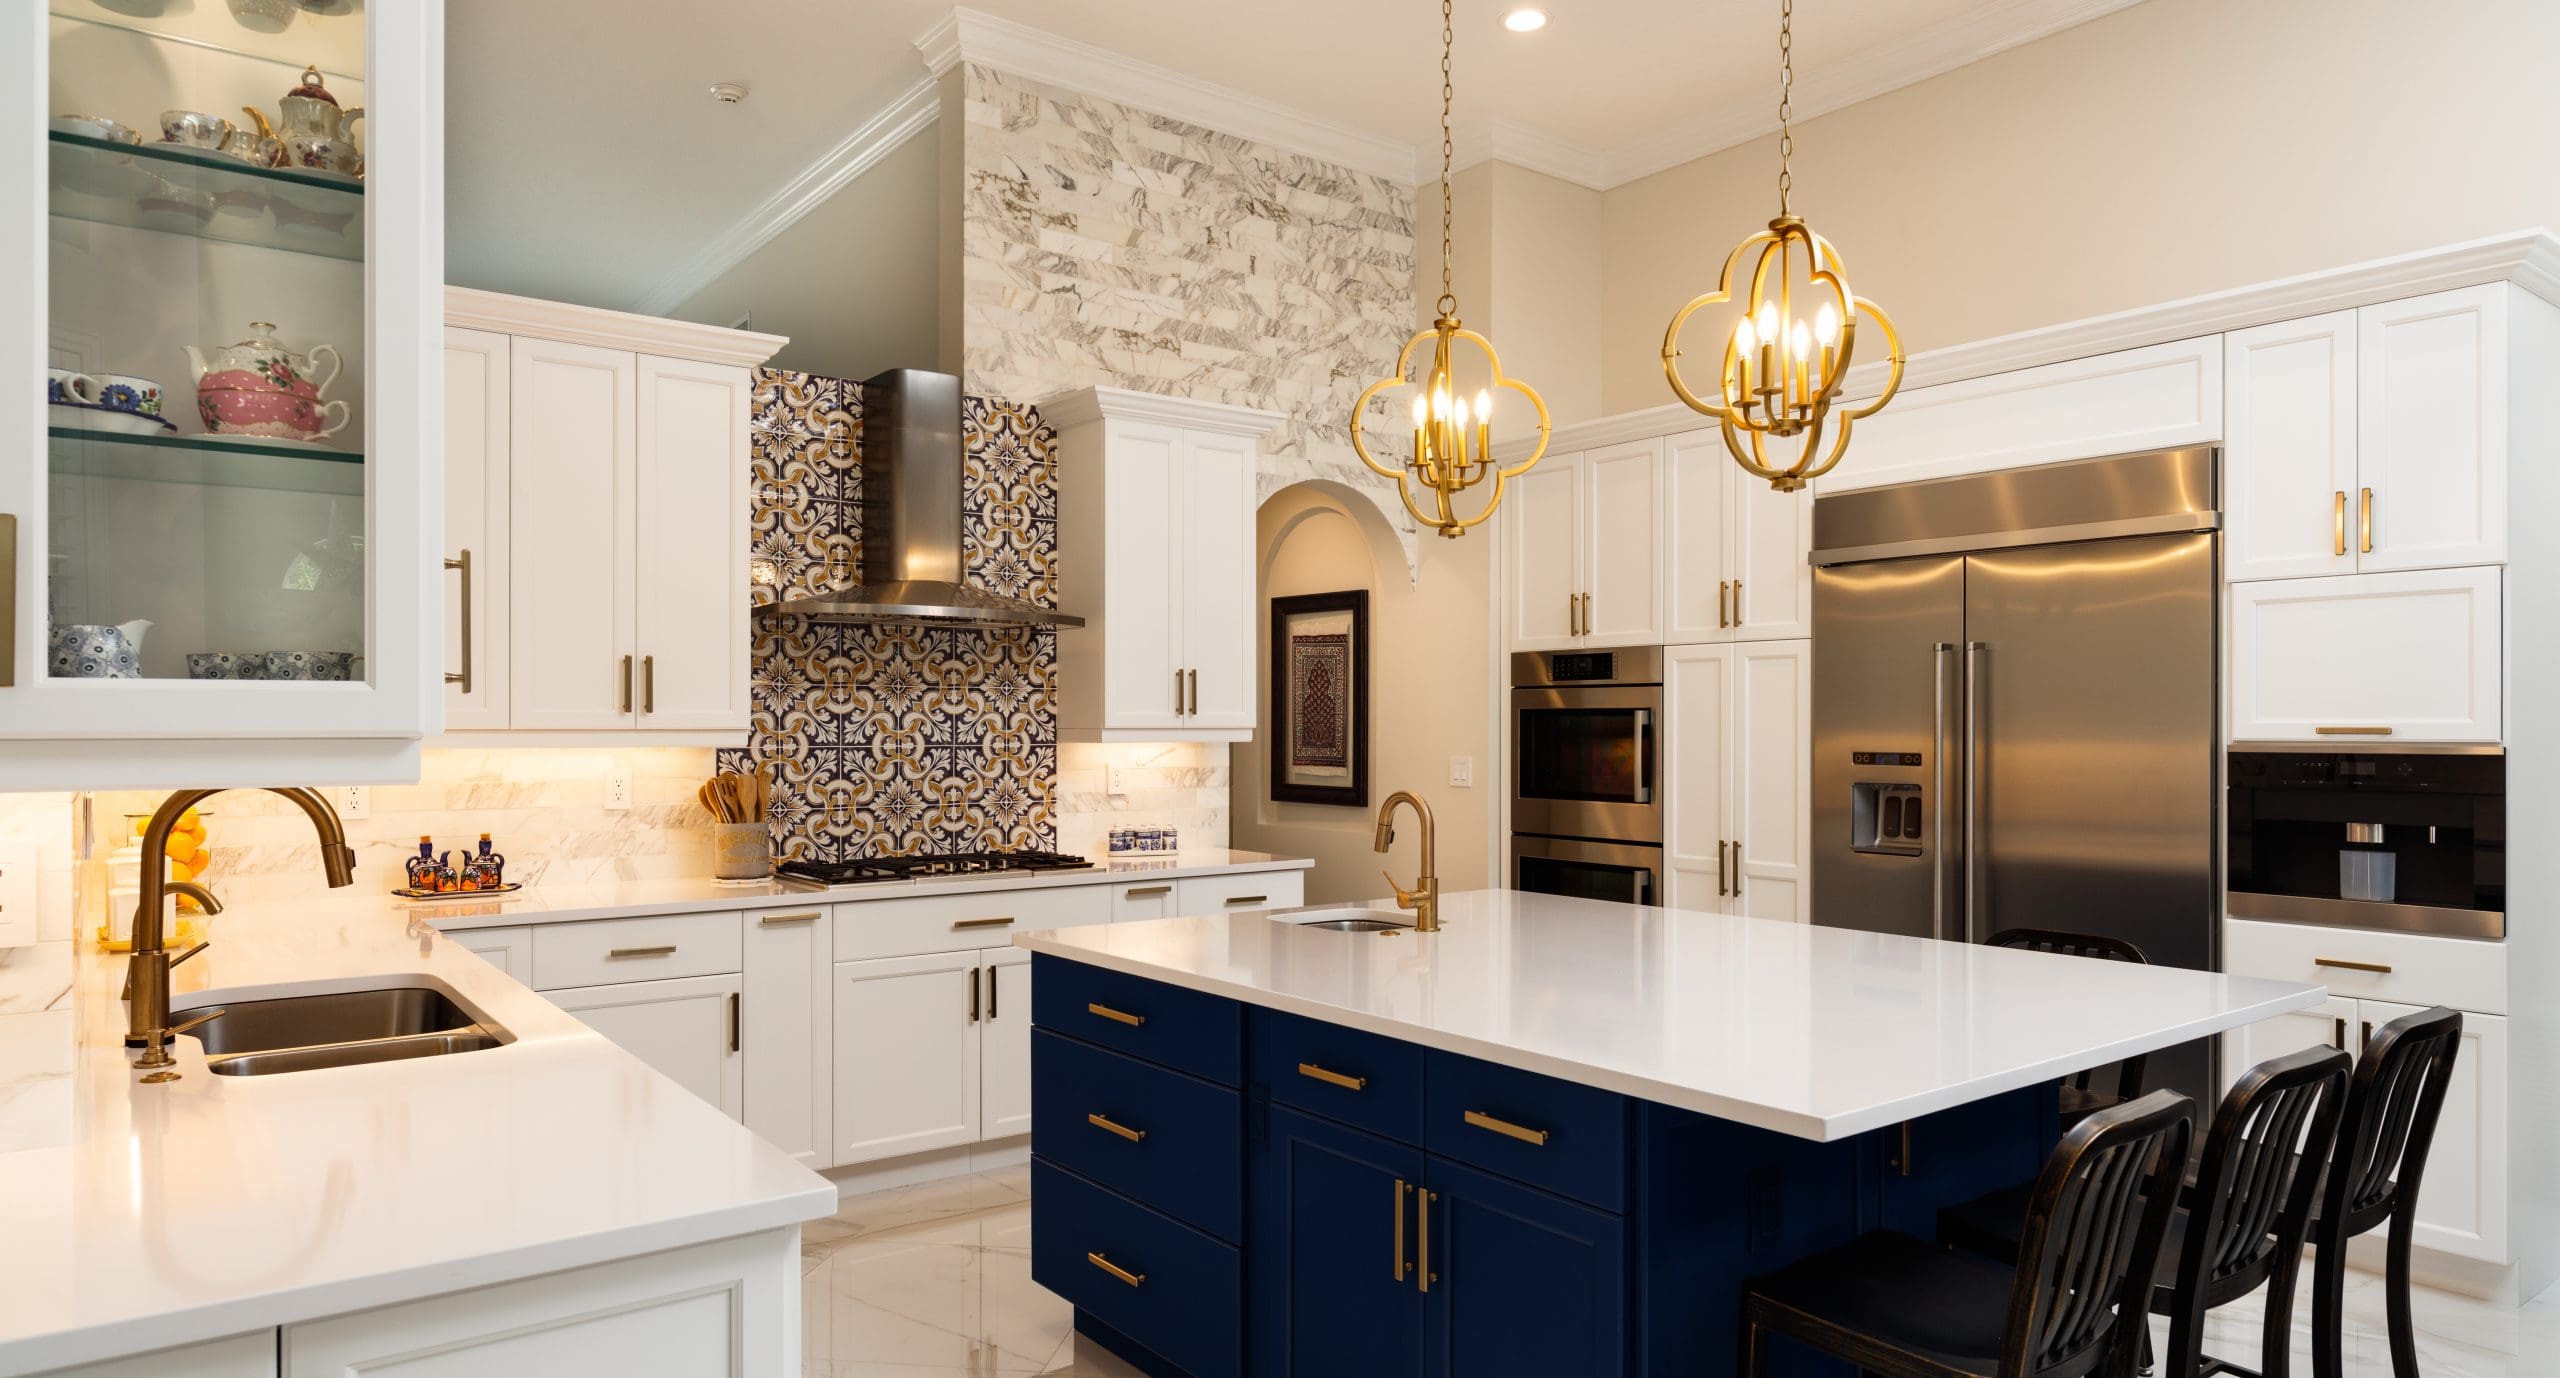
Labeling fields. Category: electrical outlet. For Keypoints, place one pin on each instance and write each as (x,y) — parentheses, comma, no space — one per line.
(351,801)
(617,787)
(1462,771)
(1115,779)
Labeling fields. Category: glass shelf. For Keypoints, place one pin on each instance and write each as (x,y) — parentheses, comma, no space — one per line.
(193,459)
(206,195)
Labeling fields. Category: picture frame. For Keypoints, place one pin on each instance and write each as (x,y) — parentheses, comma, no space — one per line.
(1320,699)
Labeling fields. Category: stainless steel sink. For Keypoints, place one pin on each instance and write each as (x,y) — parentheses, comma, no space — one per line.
(294,1033)
(1357,921)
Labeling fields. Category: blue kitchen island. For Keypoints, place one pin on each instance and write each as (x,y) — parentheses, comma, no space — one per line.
(1550,1140)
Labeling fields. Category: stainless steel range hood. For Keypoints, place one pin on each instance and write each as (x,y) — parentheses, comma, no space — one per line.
(912,472)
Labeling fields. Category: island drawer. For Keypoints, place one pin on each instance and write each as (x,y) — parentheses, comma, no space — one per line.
(1181,1029)
(1567,1138)
(608,952)
(1359,1078)
(1173,1142)
(1159,1282)
(2411,968)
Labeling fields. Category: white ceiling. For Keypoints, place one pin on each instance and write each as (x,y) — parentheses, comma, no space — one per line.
(585,161)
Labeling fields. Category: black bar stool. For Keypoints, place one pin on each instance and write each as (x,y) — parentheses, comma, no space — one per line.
(1900,1307)
(2079,1096)
(2392,1107)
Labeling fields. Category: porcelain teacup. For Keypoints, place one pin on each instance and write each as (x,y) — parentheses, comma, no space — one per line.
(194,128)
(64,387)
(126,393)
(96,127)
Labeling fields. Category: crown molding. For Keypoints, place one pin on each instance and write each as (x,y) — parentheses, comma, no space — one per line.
(1965,39)
(910,114)
(1082,406)
(1502,141)
(473,309)
(968,35)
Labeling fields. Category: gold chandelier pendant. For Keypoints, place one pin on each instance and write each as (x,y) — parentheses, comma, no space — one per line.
(1452,443)
(1778,383)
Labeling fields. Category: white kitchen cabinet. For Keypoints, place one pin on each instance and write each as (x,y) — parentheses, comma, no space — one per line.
(729,1309)
(476,503)
(1219,894)
(509,949)
(2290,492)
(241,1356)
(686,1027)
(787,1037)
(1146,899)
(1737,741)
(1155,553)
(607,483)
(2406,656)
(1734,555)
(1004,1067)
(1599,582)
(908,1038)
(314,543)
(2462,1201)
(2431,406)
(2329,1024)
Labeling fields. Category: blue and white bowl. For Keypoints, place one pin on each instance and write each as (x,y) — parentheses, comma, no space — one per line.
(310,665)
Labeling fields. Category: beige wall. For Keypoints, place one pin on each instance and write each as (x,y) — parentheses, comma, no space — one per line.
(853,282)
(1528,275)
(2172,148)
(1429,696)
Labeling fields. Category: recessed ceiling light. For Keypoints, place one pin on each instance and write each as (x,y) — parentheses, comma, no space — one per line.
(1525,20)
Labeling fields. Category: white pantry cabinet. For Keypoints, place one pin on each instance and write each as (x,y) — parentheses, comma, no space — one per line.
(687,1027)
(604,487)
(2412,656)
(2289,448)
(1583,536)
(1734,561)
(1737,752)
(1155,553)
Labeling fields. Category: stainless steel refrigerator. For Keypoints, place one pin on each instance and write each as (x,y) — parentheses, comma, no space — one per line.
(2014,720)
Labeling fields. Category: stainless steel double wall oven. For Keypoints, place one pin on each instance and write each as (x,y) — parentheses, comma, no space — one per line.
(1586,776)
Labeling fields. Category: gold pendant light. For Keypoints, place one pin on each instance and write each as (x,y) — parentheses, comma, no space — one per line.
(1782,367)
(1452,445)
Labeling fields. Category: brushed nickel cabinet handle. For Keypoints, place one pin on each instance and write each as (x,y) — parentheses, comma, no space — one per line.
(660,950)
(1395,1231)
(463,677)
(1508,1130)
(1115,1270)
(1140,892)
(2342,964)
(1116,1016)
(2364,524)
(626,684)
(2352,731)
(1108,1125)
(779,920)
(648,684)
(997,922)
(1332,1078)
(2338,524)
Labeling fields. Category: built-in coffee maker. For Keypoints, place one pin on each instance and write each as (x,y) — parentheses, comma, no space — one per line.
(2414,841)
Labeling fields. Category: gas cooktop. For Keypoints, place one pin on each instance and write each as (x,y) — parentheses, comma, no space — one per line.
(888,868)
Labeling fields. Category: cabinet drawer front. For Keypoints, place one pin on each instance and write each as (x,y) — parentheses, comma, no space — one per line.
(1181,1029)
(2460,973)
(1361,1079)
(1182,1294)
(611,951)
(1186,1156)
(914,924)
(1495,1118)
(2365,657)
(1249,890)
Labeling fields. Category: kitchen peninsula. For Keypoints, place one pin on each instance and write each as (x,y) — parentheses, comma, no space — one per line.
(1551,1138)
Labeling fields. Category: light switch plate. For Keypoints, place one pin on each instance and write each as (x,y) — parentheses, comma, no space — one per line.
(617,788)
(17,894)
(351,801)
(1462,771)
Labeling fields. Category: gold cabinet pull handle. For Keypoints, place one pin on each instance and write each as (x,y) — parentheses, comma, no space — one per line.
(1724,598)
(1234,900)
(2352,731)
(997,922)
(1116,1016)
(660,950)
(1195,693)
(1586,614)
(648,684)
(2338,524)
(9,600)
(2340,1024)
(2342,964)
(1105,1123)
(1737,602)
(626,684)
(778,920)
(1331,1078)
(1507,1129)
(1177,693)
(2364,523)
(737,1022)
(1423,1275)
(463,677)
(1403,1190)
(1140,892)
(1115,1270)
(1573,614)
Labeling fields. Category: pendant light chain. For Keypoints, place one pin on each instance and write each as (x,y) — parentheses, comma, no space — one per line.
(1786,90)
(1448,39)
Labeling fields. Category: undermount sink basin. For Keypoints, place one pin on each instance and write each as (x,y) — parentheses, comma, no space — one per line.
(1358,921)
(343,1028)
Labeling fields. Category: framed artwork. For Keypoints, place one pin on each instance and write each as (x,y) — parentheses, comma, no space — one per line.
(1320,698)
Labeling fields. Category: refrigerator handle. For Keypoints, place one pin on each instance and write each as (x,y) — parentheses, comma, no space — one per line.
(1938,846)
(1644,756)
(1973,652)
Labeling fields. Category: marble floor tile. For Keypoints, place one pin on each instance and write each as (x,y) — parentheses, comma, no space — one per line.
(899,1207)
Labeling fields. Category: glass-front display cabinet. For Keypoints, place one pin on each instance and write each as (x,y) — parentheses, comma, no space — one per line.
(225,279)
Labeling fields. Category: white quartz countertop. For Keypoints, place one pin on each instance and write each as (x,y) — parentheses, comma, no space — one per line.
(1823,1033)
(631,899)
(214,1204)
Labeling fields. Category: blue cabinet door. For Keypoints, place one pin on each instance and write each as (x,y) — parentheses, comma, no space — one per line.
(1957,1154)
(1330,1295)
(1527,1285)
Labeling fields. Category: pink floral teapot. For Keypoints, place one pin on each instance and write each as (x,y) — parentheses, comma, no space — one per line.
(258,387)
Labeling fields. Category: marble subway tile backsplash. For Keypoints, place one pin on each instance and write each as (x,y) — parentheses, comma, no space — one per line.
(1179,785)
